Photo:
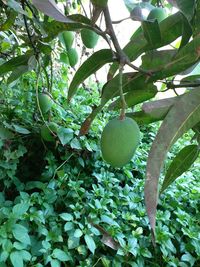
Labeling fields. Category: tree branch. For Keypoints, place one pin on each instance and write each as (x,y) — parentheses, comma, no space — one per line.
(122,57)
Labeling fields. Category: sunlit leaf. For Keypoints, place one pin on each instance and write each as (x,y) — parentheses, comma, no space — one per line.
(90,243)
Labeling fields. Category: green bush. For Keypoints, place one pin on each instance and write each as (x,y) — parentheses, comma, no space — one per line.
(62,205)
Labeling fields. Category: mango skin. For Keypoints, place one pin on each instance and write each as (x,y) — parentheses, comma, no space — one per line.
(73,57)
(46,134)
(44,102)
(157,13)
(89,38)
(119,140)
(67,38)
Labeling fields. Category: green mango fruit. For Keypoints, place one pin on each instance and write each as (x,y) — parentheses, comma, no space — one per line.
(89,38)
(46,133)
(119,141)
(5,134)
(157,13)
(67,39)
(64,58)
(73,57)
(45,102)
(100,3)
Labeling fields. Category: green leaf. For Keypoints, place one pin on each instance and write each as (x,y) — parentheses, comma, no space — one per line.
(181,163)
(130,81)
(151,32)
(188,258)
(5,133)
(75,144)
(187,7)
(25,255)
(90,66)
(187,32)
(49,8)
(17,73)
(55,263)
(196,24)
(66,217)
(20,209)
(13,63)
(135,97)
(20,129)
(68,226)
(157,59)
(181,117)
(90,243)
(16,259)
(21,234)
(108,220)
(73,242)
(60,255)
(16,6)
(170,30)
(65,135)
(78,233)
(185,58)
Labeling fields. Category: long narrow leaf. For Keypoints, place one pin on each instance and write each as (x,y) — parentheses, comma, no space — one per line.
(181,117)
(180,164)
(13,63)
(90,66)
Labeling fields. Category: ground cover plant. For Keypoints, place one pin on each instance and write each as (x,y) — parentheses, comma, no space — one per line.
(61,204)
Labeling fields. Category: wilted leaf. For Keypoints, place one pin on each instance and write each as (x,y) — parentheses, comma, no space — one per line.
(180,164)
(181,117)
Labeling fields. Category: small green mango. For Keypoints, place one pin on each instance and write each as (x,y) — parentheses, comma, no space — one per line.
(73,57)
(157,13)
(64,58)
(46,134)
(89,38)
(67,39)
(119,141)
(45,102)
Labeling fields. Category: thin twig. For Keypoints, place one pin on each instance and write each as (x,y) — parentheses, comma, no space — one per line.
(123,101)
(84,11)
(28,32)
(121,20)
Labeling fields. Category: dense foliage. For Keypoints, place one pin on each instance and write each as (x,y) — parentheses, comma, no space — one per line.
(60,203)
